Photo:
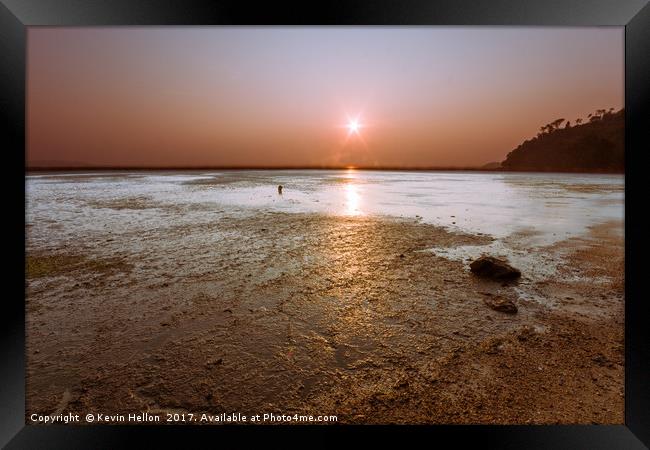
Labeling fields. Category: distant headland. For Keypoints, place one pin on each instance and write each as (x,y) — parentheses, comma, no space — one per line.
(598,145)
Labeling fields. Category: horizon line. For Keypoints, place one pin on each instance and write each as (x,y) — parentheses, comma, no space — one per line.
(343,167)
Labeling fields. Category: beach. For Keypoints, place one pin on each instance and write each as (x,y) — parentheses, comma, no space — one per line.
(350,294)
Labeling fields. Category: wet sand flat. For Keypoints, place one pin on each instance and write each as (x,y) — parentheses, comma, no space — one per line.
(215,308)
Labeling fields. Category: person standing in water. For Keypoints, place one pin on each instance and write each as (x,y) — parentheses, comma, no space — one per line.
(280,189)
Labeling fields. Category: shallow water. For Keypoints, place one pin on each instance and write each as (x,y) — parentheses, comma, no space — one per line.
(533,209)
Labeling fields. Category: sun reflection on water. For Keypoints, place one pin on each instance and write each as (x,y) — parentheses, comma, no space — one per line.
(352,200)
(352,196)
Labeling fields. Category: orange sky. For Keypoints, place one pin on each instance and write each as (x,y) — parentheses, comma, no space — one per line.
(269,96)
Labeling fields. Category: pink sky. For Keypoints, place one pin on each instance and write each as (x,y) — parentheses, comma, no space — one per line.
(271,96)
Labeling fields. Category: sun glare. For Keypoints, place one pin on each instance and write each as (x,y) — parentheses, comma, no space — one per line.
(353,126)
(356,129)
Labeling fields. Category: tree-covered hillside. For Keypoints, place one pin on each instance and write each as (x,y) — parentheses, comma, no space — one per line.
(594,146)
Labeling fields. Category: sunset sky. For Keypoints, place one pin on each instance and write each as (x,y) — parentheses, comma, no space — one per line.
(251,96)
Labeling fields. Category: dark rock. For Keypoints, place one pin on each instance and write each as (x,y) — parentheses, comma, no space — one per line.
(501,305)
(491,267)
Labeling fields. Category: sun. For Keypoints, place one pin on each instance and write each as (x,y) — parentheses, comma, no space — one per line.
(354,126)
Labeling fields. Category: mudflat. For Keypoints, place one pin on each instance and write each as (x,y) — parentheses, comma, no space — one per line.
(310,313)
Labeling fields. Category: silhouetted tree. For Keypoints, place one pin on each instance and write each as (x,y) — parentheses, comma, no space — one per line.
(600,114)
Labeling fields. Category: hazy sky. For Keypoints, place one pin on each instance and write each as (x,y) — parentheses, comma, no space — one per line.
(269,96)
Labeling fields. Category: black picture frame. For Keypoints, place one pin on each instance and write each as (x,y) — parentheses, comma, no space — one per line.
(634,15)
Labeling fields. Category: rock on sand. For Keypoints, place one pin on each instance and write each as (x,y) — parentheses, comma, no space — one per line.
(501,304)
(491,267)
